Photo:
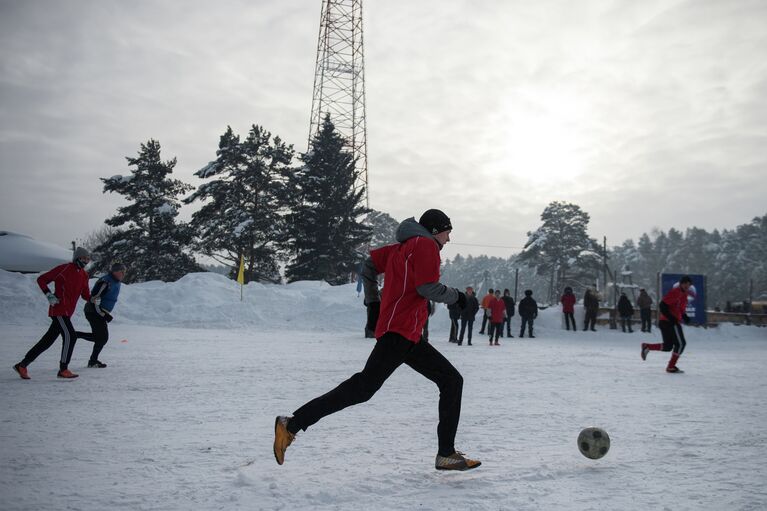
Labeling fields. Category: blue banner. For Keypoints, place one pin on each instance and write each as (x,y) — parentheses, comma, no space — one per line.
(696,302)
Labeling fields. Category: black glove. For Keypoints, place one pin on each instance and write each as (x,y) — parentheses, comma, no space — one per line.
(461,300)
(686,319)
(108,317)
(374,309)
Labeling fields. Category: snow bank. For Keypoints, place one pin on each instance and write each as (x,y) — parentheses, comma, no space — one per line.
(22,253)
(210,300)
(204,300)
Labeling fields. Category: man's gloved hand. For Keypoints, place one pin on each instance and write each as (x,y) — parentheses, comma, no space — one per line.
(461,300)
(108,317)
(686,319)
(52,299)
(374,309)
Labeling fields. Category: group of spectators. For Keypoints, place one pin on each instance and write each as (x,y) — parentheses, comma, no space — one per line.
(497,311)
(591,306)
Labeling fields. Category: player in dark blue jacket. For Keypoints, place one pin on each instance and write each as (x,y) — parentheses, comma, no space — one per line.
(98,311)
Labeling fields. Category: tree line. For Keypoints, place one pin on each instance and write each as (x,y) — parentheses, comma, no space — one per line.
(257,204)
(560,253)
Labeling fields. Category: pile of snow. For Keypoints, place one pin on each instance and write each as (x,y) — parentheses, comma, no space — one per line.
(203,300)
(22,253)
(211,300)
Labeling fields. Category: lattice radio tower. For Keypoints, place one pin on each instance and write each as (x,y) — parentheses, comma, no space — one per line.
(339,80)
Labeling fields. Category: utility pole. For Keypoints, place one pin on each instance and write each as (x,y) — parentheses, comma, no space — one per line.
(604,267)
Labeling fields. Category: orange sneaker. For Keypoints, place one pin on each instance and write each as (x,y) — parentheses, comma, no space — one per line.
(282,438)
(456,461)
(22,371)
(66,373)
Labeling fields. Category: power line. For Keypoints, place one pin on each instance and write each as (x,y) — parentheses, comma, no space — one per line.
(485,246)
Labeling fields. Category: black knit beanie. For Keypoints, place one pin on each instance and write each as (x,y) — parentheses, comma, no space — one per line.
(435,221)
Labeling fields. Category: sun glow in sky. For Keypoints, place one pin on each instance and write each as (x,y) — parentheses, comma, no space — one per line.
(487,110)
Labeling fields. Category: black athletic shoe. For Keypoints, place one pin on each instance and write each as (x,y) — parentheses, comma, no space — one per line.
(96,364)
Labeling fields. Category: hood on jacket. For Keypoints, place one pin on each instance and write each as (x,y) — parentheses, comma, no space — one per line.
(410,228)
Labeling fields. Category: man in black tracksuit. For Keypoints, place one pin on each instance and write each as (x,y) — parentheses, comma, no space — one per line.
(468,314)
(528,311)
(625,311)
(454,311)
(98,311)
(509,301)
(591,305)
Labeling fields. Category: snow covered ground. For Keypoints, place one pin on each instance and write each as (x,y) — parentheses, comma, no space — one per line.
(183,416)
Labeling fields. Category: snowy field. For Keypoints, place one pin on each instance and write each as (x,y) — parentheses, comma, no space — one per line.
(183,416)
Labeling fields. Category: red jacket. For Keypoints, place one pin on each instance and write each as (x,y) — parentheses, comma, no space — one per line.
(676,299)
(497,310)
(71,284)
(407,265)
(568,302)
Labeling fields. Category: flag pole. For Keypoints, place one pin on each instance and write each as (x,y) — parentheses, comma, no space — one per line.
(241,275)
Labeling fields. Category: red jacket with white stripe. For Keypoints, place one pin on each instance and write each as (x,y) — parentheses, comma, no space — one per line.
(411,270)
(676,299)
(71,283)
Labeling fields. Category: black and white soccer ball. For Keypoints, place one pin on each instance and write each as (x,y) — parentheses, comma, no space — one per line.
(594,443)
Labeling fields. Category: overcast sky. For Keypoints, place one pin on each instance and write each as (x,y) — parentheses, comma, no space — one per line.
(646,114)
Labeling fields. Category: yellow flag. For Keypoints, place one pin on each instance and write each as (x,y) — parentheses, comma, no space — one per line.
(241,274)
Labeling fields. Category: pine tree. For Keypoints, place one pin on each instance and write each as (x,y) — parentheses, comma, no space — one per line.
(561,247)
(384,228)
(148,240)
(326,232)
(245,202)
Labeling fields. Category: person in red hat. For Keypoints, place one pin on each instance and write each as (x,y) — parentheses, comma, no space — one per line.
(672,313)
(411,267)
(71,283)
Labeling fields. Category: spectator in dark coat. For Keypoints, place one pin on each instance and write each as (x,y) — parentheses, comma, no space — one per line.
(528,311)
(591,304)
(644,302)
(626,311)
(509,301)
(568,307)
(454,311)
(468,314)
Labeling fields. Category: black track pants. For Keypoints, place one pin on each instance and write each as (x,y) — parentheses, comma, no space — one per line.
(390,351)
(60,326)
(673,336)
(99,334)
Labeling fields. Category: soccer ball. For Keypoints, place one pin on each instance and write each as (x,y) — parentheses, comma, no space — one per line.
(594,443)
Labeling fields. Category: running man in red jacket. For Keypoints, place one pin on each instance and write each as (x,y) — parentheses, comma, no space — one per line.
(412,277)
(672,312)
(71,282)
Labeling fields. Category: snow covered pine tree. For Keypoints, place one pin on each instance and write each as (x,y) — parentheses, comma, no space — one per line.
(149,242)
(326,231)
(246,203)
